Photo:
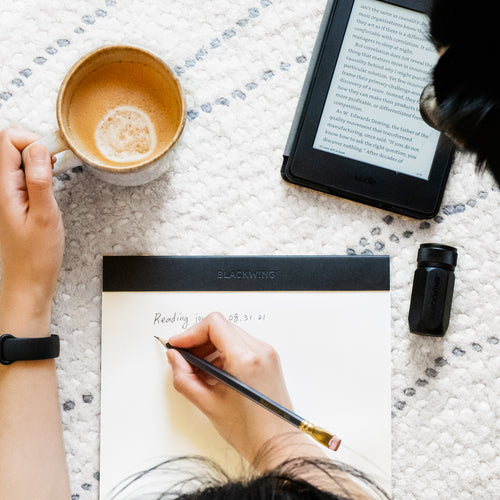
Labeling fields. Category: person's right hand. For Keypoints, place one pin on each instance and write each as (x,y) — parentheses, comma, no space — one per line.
(241,422)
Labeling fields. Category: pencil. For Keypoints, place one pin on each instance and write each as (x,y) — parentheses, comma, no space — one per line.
(324,437)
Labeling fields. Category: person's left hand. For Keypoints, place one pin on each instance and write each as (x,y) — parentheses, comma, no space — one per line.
(31,228)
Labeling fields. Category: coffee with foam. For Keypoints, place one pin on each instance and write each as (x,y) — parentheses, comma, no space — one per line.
(125,134)
(121,109)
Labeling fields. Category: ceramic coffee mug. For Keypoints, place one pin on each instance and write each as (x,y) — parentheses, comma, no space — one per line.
(119,110)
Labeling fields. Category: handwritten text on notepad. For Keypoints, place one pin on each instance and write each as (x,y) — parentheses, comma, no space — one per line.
(183,320)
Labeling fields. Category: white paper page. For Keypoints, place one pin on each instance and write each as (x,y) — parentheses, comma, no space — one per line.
(335,353)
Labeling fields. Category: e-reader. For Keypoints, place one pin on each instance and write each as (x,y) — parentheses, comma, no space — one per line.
(357,131)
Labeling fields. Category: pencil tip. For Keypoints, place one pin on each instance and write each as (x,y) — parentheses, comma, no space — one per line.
(164,343)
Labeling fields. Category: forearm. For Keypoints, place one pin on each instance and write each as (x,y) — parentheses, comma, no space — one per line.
(32,455)
(24,313)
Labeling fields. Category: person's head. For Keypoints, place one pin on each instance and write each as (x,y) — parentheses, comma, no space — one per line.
(463,98)
(197,478)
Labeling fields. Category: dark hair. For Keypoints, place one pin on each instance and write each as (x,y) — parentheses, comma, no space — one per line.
(466,82)
(199,478)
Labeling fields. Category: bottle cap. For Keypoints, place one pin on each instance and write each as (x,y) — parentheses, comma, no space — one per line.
(437,255)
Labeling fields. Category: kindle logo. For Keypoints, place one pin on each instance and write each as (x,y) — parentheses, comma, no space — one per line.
(240,274)
(365,179)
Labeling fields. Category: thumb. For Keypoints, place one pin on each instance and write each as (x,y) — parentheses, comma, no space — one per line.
(38,171)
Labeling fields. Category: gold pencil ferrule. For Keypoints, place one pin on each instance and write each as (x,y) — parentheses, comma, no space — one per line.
(321,435)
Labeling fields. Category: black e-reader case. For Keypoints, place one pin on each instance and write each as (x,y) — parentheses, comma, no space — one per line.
(352,179)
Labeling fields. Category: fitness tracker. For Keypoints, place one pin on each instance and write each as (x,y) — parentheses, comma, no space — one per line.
(27,349)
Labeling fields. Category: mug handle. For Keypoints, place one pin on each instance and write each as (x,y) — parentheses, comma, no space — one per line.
(56,145)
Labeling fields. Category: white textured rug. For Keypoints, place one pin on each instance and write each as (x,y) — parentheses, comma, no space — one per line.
(242,63)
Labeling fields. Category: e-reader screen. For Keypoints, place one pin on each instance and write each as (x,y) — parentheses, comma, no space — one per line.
(371,111)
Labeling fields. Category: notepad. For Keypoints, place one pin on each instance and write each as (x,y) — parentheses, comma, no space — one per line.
(327,316)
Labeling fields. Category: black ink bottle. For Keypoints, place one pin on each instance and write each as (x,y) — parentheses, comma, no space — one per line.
(432,291)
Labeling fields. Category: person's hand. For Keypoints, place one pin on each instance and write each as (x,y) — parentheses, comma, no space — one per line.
(31,229)
(31,248)
(242,423)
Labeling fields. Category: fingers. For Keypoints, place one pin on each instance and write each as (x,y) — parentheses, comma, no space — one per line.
(199,334)
(214,330)
(38,171)
(12,139)
(187,382)
(240,353)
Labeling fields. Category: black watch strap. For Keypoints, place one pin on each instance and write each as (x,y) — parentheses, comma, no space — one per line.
(20,349)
